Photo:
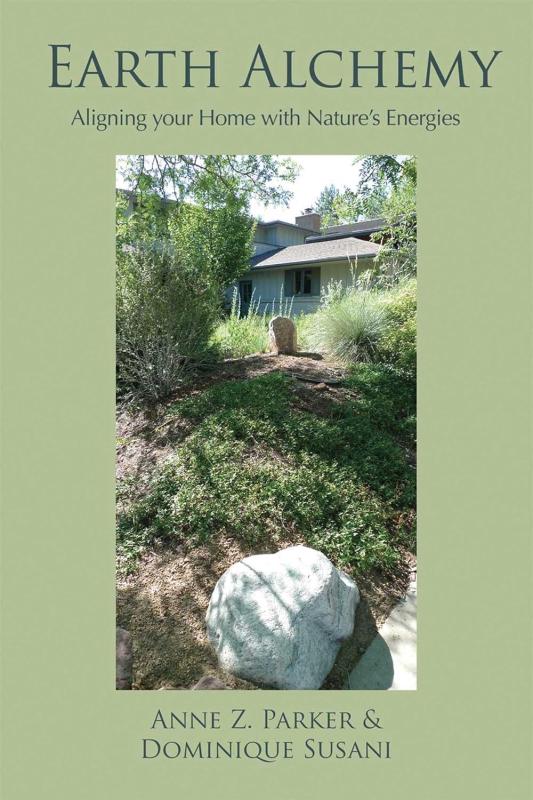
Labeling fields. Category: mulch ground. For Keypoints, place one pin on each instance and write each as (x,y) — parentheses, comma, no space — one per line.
(163,604)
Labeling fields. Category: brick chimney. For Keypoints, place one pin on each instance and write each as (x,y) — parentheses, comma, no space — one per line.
(309,219)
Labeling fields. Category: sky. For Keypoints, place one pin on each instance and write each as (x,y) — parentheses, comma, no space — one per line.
(316,172)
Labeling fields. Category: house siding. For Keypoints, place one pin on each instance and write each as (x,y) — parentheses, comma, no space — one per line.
(281,235)
(269,285)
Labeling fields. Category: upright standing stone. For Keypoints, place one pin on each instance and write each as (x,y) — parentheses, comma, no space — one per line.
(282,335)
(279,620)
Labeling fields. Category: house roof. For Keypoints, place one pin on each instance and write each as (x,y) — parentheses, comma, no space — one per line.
(315,252)
(286,224)
(365,227)
(258,257)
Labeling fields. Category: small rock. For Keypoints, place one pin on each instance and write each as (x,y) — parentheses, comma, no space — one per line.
(279,620)
(282,335)
(124,668)
(209,682)
(168,687)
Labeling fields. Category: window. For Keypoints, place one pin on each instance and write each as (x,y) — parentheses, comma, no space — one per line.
(245,291)
(302,281)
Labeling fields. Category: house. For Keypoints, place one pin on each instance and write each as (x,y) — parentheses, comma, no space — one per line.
(296,261)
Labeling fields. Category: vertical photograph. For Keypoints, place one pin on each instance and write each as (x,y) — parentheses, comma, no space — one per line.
(266,422)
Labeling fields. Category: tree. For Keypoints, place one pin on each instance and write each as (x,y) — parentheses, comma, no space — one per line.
(325,205)
(379,176)
(214,239)
(397,176)
(386,188)
(165,312)
(174,259)
(338,207)
(385,171)
(190,178)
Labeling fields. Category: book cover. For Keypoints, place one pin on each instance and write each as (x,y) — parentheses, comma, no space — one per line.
(266,399)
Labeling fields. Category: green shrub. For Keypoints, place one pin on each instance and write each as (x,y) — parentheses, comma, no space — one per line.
(165,315)
(397,346)
(350,327)
(173,262)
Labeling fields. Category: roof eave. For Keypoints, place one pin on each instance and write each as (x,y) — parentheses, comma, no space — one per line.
(287,224)
(329,237)
(317,261)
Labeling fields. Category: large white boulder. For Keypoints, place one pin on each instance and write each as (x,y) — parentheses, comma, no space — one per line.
(279,620)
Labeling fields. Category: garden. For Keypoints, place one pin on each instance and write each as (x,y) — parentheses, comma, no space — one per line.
(225,449)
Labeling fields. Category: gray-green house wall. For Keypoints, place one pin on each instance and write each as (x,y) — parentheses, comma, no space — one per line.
(269,284)
(280,235)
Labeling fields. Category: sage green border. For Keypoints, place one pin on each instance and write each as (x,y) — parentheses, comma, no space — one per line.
(466,732)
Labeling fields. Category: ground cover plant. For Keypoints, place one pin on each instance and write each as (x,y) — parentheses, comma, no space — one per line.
(257,455)
(256,459)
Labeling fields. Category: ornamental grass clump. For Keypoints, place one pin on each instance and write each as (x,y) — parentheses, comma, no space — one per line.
(350,328)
